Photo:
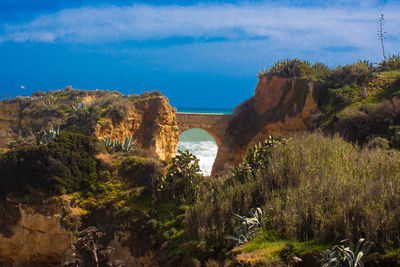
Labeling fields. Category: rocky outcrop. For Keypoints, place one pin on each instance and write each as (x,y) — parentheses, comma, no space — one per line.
(36,240)
(37,236)
(281,106)
(151,122)
(18,123)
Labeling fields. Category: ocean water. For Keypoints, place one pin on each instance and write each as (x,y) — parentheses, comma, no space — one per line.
(199,142)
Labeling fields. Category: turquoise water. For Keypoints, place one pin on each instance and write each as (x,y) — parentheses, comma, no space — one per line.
(199,142)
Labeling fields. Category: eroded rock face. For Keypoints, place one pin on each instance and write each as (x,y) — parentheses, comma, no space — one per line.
(281,106)
(152,122)
(36,240)
(18,123)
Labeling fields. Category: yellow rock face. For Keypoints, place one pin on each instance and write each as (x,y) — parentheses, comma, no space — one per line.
(151,122)
(37,239)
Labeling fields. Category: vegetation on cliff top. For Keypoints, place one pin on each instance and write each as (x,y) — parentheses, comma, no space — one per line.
(65,165)
(358,100)
(74,110)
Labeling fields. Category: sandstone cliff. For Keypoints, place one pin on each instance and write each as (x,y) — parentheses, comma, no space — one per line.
(35,239)
(150,120)
(281,106)
(38,237)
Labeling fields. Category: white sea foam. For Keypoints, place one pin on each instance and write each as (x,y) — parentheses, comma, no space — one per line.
(205,151)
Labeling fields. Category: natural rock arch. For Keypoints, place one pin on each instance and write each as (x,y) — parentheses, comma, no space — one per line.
(280,106)
(214,124)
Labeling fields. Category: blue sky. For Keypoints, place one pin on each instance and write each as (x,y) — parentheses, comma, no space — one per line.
(197,53)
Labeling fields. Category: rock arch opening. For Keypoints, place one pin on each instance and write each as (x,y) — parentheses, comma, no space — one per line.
(200,143)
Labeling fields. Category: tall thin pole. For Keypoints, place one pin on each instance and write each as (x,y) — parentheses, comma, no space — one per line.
(381,34)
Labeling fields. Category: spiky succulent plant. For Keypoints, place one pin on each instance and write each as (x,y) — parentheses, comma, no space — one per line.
(346,254)
(247,227)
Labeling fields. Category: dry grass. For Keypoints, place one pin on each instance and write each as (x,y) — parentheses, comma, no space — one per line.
(313,188)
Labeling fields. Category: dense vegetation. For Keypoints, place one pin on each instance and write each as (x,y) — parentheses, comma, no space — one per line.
(360,101)
(65,165)
(313,191)
(75,110)
(310,188)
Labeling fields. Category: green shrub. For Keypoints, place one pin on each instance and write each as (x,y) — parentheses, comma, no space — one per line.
(145,95)
(142,172)
(118,110)
(298,68)
(66,164)
(183,179)
(82,121)
(378,142)
(350,73)
(360,124)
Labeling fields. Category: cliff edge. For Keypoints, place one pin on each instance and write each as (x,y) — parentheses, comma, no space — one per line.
(148,118)
(281,106)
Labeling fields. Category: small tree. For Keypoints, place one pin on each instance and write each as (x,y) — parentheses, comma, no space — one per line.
(90,241)
(363,80)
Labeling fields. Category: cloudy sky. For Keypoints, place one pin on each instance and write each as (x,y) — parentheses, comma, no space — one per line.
(199,54)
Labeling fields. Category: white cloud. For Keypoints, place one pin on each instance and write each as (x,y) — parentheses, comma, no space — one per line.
(285,27)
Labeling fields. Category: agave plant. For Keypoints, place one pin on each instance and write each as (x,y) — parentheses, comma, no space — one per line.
(116,146)
(248,226)
(288,254)
(112,145)
(128,144)
(46,137)
(48,101)
(390,63)
(77,106)
(347,254)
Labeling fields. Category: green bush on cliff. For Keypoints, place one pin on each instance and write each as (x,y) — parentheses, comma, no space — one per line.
(298,68)
(350,73)
(82,121)
(144,95)
(66,164)
(142,172)
(363,123)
